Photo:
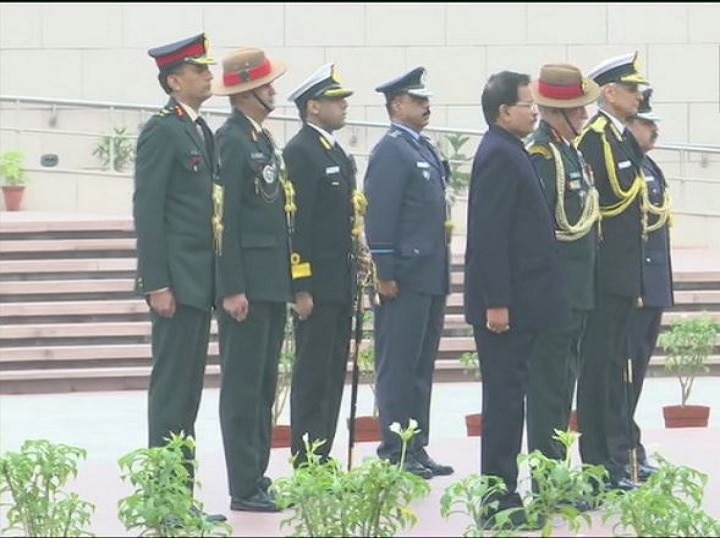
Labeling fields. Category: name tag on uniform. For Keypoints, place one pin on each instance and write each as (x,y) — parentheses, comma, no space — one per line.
(257,155)
(423,165)
(332,170)
(575,174)
(574,185)
(624,164)
(649,178)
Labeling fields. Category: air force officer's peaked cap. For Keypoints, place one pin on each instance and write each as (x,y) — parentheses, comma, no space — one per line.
(192,50)
(413,83)
(325,83)
(645,111)
(624,68)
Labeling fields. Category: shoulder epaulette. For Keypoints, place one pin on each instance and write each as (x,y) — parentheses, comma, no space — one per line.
(540,150)
(168,111)
(598,125)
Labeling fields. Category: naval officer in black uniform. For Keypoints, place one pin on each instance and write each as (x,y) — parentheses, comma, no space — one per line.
(405,227)
(613,154)
(322,268)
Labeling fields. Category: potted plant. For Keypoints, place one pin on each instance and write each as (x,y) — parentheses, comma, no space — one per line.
(14,179)
(687,345)
(116,150)
(281,433)
(32,482)
(471,365)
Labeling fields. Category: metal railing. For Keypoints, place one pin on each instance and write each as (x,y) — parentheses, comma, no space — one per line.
(123,113)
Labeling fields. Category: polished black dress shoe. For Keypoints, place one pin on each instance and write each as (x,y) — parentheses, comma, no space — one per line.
(413,466)
(436,468)
(622,483)
(645,471)
(213,518)
(257,502)
(264,484)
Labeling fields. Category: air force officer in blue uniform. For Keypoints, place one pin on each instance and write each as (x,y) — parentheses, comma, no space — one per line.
(405,227)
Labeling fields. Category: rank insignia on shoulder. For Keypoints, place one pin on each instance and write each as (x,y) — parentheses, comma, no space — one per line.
(541,151)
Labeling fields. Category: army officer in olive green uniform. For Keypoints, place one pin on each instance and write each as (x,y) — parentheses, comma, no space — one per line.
(561,94)
(253,274)
(172,208)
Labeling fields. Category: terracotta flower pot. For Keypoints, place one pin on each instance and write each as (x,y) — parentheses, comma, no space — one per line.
(677,416)
(281,437)
(367,429)
(473,424)
(13,197)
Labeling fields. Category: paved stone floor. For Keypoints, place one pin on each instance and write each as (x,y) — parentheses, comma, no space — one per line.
(108,425)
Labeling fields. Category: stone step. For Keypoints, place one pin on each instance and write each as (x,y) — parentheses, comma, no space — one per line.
(43,247)
(33,267)
(62,287)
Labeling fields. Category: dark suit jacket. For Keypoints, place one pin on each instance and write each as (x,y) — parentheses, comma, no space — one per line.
(657,267)
(172,208)
(511,257)
(577,256)
(620,250)
(405,223)
(254,259)
(324,180)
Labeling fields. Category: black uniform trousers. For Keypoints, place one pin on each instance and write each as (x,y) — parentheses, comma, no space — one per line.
(179,352)
(642,338)
(322,344)
(504,360)
(407,337)
(249,355)
(602,390)
(554,368)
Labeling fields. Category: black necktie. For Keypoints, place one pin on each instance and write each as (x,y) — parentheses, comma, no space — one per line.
(205,134)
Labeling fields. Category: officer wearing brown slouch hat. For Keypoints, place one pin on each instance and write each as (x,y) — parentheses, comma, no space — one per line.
(561,94)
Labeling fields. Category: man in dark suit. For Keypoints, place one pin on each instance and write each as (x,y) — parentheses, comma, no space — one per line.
(406,226)
(322,270)
(656,271)
(616,161)
(172,208)
(513,280)
(561,94)
(253,263)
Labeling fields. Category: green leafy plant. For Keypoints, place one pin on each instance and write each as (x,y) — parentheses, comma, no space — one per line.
(688,345)
(476,496)
(34,479)
(162,503)
(471,364)
(459,163)
(558,487)
(371,500)
(12,170)
(116,150)
(669,504)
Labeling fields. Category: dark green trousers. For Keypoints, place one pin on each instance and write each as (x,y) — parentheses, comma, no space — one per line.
(249,355)
(322,345)
(553,372)
(179,350)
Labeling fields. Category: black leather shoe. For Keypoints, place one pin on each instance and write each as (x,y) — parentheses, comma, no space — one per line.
(213,518)
(645,471)
(622,483)
(257,502)
(415,467)
(434,466)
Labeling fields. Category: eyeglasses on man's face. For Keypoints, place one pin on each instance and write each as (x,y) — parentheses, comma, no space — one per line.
(526,104)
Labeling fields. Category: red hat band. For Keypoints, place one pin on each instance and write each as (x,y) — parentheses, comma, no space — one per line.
(557,91)
(191,51)
(246,75)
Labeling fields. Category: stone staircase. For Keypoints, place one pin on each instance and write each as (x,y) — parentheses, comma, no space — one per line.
(70,320)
